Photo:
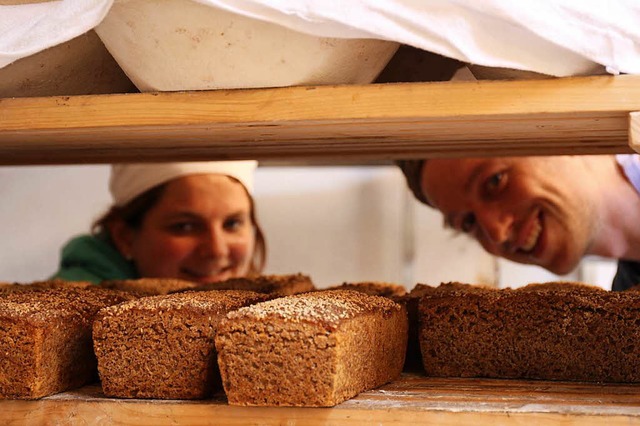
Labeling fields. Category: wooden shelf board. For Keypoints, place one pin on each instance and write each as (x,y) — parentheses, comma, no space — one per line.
(583,115)
(412,399)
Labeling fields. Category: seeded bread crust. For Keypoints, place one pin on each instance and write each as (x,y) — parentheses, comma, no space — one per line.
(279,285)
(313,349)
(150,286)
(374,288)
(42,285)
(552,332)
(45,339)
(570,286)
(162,346)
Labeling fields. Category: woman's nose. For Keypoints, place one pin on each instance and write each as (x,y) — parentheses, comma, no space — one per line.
(215,243)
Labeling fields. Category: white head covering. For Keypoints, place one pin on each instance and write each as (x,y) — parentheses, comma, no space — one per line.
(130,180)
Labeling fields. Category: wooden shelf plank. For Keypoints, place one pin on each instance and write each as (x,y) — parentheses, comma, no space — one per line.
(588,115)
(412,399)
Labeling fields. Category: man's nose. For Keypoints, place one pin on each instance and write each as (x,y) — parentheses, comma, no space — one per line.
(497,227)
(215,243)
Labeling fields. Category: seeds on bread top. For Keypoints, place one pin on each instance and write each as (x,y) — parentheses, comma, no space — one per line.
(376,288)
(150,286)
(281,284)
(328,307)
(44,304)
(217,301)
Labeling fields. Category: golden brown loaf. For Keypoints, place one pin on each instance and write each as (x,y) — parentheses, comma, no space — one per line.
(280,285)
(150,286)
(313,349)
(162,346)
(45,339)
(47,284)
(547,332)
(375,288)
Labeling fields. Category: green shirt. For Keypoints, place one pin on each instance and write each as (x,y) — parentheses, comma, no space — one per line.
(93,258)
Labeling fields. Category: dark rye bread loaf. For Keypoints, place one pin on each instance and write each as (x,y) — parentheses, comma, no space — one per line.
(45,339)
(553,332)
(313,349)
(162,346)
(150,286)
(560,286)
(279,285)
(375,288)
(413,360)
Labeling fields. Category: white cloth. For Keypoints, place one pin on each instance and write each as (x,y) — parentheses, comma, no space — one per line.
(127,181)
(556,37)
(30,28)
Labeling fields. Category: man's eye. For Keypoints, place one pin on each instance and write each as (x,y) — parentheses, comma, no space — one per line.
(495,183)
(468,223)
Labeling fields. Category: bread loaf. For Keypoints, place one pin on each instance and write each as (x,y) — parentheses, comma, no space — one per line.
(42,285)
(279,285)
(150,286)
(553,332)
(313,349)
(375,288)
(413,359)
(45,339)
(162,346)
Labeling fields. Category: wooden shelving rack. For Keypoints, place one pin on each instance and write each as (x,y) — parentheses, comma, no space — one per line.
(585,115)
(412,399)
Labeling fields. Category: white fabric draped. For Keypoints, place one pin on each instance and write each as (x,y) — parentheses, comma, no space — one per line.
(556,37)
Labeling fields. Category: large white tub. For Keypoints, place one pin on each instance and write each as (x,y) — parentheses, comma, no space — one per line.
(170,45)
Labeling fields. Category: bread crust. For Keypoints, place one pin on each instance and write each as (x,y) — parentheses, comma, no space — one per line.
(552,332)
(162,346)
(45,338)
(314,349)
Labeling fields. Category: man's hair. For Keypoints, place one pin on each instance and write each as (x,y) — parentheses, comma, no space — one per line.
(412,170)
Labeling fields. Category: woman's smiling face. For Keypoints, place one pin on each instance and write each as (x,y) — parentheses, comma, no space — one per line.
(527,209)
(200,230)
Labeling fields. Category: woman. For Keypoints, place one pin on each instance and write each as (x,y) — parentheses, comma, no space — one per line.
(192,221)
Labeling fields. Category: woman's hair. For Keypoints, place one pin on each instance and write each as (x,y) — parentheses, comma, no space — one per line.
(134,212)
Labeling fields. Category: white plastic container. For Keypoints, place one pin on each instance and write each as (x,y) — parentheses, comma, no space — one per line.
(167,45)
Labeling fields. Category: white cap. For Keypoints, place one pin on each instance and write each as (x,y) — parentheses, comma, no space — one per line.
(130,180)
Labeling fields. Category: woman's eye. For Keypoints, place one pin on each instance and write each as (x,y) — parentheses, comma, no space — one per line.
(182,227)
(468,223)
(233,224)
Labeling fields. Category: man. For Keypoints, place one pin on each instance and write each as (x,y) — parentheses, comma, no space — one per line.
(546,211)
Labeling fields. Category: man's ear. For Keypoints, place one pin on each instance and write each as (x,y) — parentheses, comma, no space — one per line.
(122,237)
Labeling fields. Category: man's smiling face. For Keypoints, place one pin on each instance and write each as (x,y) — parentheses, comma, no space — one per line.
(527,209)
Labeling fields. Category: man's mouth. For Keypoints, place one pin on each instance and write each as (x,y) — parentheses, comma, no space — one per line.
(532,233)
(532,239)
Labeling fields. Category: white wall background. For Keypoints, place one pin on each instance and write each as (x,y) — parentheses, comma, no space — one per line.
(336,224)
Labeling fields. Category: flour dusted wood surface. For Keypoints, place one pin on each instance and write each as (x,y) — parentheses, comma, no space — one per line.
(412,399)
(585,115)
